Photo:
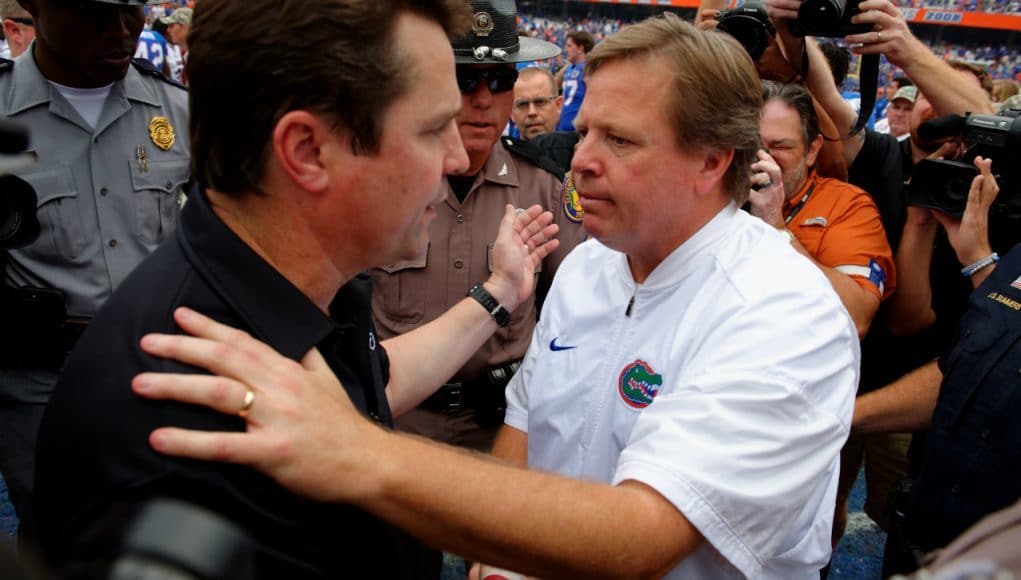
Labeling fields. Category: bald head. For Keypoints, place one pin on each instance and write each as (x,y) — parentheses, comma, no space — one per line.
(536,102)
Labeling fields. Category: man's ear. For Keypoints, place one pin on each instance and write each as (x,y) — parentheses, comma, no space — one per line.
(298,140)
(813,151)
(714,166)
(10,29)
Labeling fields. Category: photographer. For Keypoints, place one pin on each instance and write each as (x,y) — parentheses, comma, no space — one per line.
(833,223)
(968,399)
(112,154)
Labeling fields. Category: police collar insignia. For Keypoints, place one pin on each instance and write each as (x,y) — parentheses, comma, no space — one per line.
(638,384)
(569,199)
(161,132)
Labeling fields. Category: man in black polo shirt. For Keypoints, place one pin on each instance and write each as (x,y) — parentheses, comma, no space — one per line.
(336,168)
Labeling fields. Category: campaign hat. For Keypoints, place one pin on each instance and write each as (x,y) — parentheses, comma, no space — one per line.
(494,39)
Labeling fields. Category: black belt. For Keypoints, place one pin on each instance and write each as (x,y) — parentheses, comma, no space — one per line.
(485,391)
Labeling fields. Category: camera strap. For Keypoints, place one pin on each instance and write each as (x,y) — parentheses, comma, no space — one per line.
(868,75)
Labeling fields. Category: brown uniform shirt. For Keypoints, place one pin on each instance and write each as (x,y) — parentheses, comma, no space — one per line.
(411,293)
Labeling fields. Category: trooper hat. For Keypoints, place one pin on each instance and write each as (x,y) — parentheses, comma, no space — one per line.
(494,37)
(907,93)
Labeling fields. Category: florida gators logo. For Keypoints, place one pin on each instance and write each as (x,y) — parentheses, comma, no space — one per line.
(569,199)
(638,384)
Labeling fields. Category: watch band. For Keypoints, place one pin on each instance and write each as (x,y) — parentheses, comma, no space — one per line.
(494,308)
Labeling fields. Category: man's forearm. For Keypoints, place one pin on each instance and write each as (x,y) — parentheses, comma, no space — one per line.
(423,359)
(902,406)
(910,308)
(942,85)
(531,522)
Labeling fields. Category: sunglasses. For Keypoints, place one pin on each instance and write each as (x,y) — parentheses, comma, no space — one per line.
(23,21)
(499,80)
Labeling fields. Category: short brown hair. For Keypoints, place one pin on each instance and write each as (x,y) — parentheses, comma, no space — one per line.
(543,72)
(583,39)
(715,102)
(978,70)
(338,59)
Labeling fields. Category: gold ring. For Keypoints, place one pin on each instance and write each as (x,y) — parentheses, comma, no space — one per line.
(246,406)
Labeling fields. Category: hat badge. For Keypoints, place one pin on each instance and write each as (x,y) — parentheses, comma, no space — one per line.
(483,24)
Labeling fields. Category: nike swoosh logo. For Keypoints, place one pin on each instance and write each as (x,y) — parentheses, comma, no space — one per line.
(555,347)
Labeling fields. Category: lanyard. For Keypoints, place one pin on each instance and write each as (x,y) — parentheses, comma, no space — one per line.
(801,204)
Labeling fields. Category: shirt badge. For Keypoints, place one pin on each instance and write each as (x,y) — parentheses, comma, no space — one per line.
(1016,283)
(503,171)
(816,221)
(569,199)
(638,384)
(161,132)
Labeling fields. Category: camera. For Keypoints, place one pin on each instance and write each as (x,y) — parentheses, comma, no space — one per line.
(944,185)
(19,225)
(830,18)
(750,25)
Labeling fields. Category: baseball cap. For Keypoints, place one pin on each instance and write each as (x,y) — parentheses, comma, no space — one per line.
(906,93)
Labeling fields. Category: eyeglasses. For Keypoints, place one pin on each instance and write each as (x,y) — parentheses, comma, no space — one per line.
(499,80)
(539,102)
(23,21)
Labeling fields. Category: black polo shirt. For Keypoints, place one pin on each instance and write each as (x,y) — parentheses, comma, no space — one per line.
(94,459)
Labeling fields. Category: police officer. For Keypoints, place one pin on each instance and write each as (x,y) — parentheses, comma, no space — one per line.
(468,410)
(970,464)
(110,138)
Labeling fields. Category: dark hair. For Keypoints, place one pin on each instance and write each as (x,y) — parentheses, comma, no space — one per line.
(798,98)
(839,59)
(337,59)
(978,70)
(903,81)
(714,104)
(582,39)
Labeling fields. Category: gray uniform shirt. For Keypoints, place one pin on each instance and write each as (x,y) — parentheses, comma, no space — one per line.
(106,196)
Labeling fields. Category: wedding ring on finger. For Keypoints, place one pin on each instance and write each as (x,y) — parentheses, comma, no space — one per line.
(246,406)
(879,37)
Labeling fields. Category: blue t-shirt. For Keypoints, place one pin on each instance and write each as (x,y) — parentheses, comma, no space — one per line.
(152,47)
(574,94)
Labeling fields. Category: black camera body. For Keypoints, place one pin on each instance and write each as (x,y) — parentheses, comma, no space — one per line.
(829,18)
(19,225)
(750,25)
(944,185)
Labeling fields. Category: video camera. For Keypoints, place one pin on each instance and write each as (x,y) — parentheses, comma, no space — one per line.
(830,18)
(750,25)
(19,225)
(944,185)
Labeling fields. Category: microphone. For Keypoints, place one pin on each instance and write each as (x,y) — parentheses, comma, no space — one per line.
(942,127)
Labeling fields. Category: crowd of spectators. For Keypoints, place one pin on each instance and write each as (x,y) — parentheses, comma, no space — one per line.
(1000,61)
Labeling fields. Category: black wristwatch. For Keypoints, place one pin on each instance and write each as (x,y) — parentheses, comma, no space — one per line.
(494,308)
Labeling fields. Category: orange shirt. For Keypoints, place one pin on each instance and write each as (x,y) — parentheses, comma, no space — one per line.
(839,225)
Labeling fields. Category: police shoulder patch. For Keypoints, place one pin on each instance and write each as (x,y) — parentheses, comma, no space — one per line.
(570,202)
(638,384)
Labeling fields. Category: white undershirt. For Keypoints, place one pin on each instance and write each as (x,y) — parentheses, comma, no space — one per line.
(88,102)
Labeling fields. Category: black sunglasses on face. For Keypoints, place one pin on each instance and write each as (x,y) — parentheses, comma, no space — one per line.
(499,80)
(23,21)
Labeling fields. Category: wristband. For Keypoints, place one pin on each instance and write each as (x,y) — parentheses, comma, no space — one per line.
(989,260)
(494,308)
